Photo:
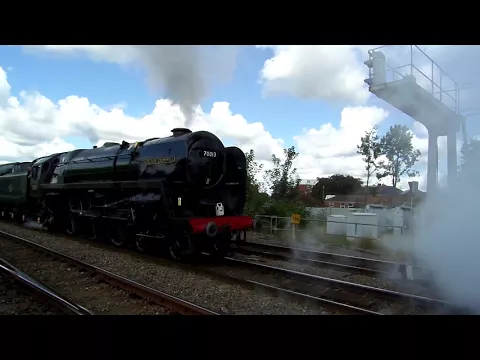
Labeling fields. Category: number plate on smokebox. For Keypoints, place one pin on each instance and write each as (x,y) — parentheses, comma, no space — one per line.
(210,154)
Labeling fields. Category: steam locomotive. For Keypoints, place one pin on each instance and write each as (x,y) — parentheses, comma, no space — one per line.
(185,192)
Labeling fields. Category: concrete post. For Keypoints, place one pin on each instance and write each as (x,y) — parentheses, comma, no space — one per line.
(432,167)
(452,155)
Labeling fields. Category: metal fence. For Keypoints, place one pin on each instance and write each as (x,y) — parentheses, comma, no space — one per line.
(272,224)
(276,225)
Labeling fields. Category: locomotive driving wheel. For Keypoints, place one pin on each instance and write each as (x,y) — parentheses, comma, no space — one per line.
(71,225)
(92,231)
(241,237)
(221,247)
(116,234)
(175,250)
(180,245)
(141,243)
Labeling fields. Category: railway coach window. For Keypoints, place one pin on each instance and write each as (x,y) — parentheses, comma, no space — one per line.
(19,168)
(6,169)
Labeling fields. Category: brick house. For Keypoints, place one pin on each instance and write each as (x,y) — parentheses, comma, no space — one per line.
(406,198)
(306,186)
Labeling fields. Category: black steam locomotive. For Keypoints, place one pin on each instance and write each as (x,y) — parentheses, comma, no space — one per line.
(186,191)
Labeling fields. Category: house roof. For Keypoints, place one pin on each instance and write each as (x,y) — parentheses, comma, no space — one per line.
(347,198)
(384,190)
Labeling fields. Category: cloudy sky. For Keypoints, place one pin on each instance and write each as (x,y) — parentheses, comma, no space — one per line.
(56,98)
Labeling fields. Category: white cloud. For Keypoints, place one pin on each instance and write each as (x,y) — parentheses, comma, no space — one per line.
(316,72)
(307,71)
(33,125)
(185,73)
(120,54)
(12,151)
(313,72)
(4,87)
(336,73)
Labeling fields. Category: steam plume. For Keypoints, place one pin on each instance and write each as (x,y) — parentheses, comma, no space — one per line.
(446,227)
(187,71)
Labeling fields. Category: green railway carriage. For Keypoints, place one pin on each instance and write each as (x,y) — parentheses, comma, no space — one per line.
(14,184)
(20,193)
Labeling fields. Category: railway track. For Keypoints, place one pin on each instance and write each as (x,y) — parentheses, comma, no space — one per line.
(351,264)
(283,289)
(358,297)
(227,274)
(341,296)
(95,287)
(20,302)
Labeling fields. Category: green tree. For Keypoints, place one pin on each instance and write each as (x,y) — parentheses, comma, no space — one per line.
(397,146)
(470,159)
(255,198)
(283,180)
(370,149)
(337,184)
(253,169)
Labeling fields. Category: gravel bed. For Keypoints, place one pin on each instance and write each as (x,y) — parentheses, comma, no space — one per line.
(78,286)
(15,301)
(277,240)
(197,288)
(343,275)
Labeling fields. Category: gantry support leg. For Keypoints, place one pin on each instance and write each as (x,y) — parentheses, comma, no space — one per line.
(432,167)
(452,156)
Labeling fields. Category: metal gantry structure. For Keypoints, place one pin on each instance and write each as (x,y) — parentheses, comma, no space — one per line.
(417,86)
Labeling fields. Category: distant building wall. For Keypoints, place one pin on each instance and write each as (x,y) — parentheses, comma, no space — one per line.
(306,185)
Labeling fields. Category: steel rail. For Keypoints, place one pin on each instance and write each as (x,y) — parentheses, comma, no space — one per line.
(159,297)
(355,264)
(255,285)
(278,291)
(37,288)
(389,295)
(250,284)
(311,262)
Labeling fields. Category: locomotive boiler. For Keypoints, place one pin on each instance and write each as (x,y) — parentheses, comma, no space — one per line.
(185,192)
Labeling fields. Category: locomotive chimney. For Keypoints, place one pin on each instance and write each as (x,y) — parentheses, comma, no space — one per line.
(180,131)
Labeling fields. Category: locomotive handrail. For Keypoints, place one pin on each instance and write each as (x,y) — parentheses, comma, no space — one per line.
(88,160)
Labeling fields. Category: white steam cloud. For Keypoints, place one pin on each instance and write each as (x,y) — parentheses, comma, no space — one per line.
(448,244)
(445,238)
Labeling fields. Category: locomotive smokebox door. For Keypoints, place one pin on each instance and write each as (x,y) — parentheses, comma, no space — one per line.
(219,209)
